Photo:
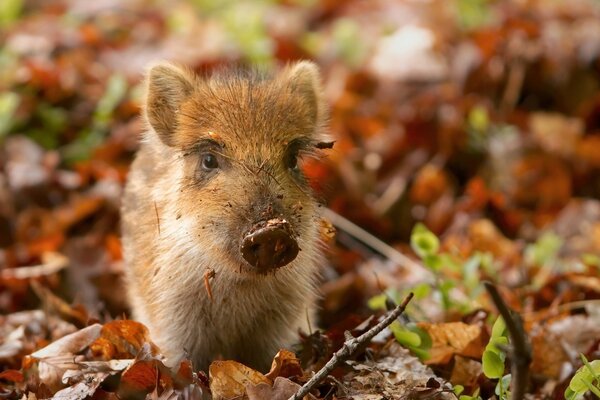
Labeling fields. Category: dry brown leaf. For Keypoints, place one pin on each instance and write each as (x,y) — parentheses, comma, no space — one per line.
(465,372)
(51,369)
(486,237)
(396,374)
(556,133)
(140,378)
(228,379)
(430,184)
(282,389)
(121,339)
(12,375)
(70,344)
(548,354)
(587,150)
(83,389)
(453,338)
(285,364)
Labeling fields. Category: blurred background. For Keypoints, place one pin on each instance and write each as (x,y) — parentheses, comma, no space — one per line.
(478,118)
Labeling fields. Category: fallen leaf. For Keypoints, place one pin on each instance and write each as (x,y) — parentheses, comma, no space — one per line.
(548,355)
(12,375)
(70,344)
(451,338)
(228,379)
(465,371)
(285,364)
(282,389)
(556,133)
(83,389)
(121,339)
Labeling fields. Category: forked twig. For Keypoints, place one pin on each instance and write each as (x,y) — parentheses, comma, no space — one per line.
(349,348)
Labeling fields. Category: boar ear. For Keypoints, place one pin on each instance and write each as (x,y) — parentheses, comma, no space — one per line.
(167,87)
(304,79)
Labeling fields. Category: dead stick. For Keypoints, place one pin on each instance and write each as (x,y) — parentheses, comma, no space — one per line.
(521,349)
(350,347)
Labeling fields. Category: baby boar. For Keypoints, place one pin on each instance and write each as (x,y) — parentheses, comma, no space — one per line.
(220,229)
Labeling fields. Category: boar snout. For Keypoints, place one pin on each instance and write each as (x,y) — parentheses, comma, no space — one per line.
(270,245)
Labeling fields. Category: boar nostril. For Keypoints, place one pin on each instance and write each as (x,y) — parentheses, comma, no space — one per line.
(269,245)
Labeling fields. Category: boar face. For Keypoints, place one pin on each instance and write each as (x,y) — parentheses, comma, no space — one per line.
(229,148)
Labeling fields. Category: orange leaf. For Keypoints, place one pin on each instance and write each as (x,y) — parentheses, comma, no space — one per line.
(12,375)
(121,339)
(453,338)
(228,379)
(285,364)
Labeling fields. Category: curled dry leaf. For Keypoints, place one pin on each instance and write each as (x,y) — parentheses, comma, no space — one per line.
(285,364)
(70,344)
(453,338)
(228,379)
(55,359)
(121,339)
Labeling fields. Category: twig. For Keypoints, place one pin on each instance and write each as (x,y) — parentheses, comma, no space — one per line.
(350,347)
(378,245)
(521,348)
(51,264)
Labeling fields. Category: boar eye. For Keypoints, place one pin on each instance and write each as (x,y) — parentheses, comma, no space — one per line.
(209,162)
(292,161)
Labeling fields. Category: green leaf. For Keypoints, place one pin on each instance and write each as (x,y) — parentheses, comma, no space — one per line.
(473,13)
(502,387)
(404,336)
(493,364)
(421,291)
(9,101)
(544,250)
(479,119)
(9,11)
(499,328)
(378,302)
(591,259)
(586,378)
(116,88)
(423,241)
(458,389)
(348,41)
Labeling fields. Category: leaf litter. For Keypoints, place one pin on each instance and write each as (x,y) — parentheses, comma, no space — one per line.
(480,120)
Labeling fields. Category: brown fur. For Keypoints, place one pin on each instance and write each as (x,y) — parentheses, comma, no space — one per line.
(180,222)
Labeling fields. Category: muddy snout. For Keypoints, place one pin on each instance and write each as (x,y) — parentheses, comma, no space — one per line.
(270,245)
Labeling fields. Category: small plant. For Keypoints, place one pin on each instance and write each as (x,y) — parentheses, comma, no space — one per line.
(587,378)
(494,358)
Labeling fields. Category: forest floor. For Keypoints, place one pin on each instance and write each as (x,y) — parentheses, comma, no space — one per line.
(467,148)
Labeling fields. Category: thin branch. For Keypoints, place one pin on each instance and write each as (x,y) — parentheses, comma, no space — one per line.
(349,348)
(377,244)
(521,348)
